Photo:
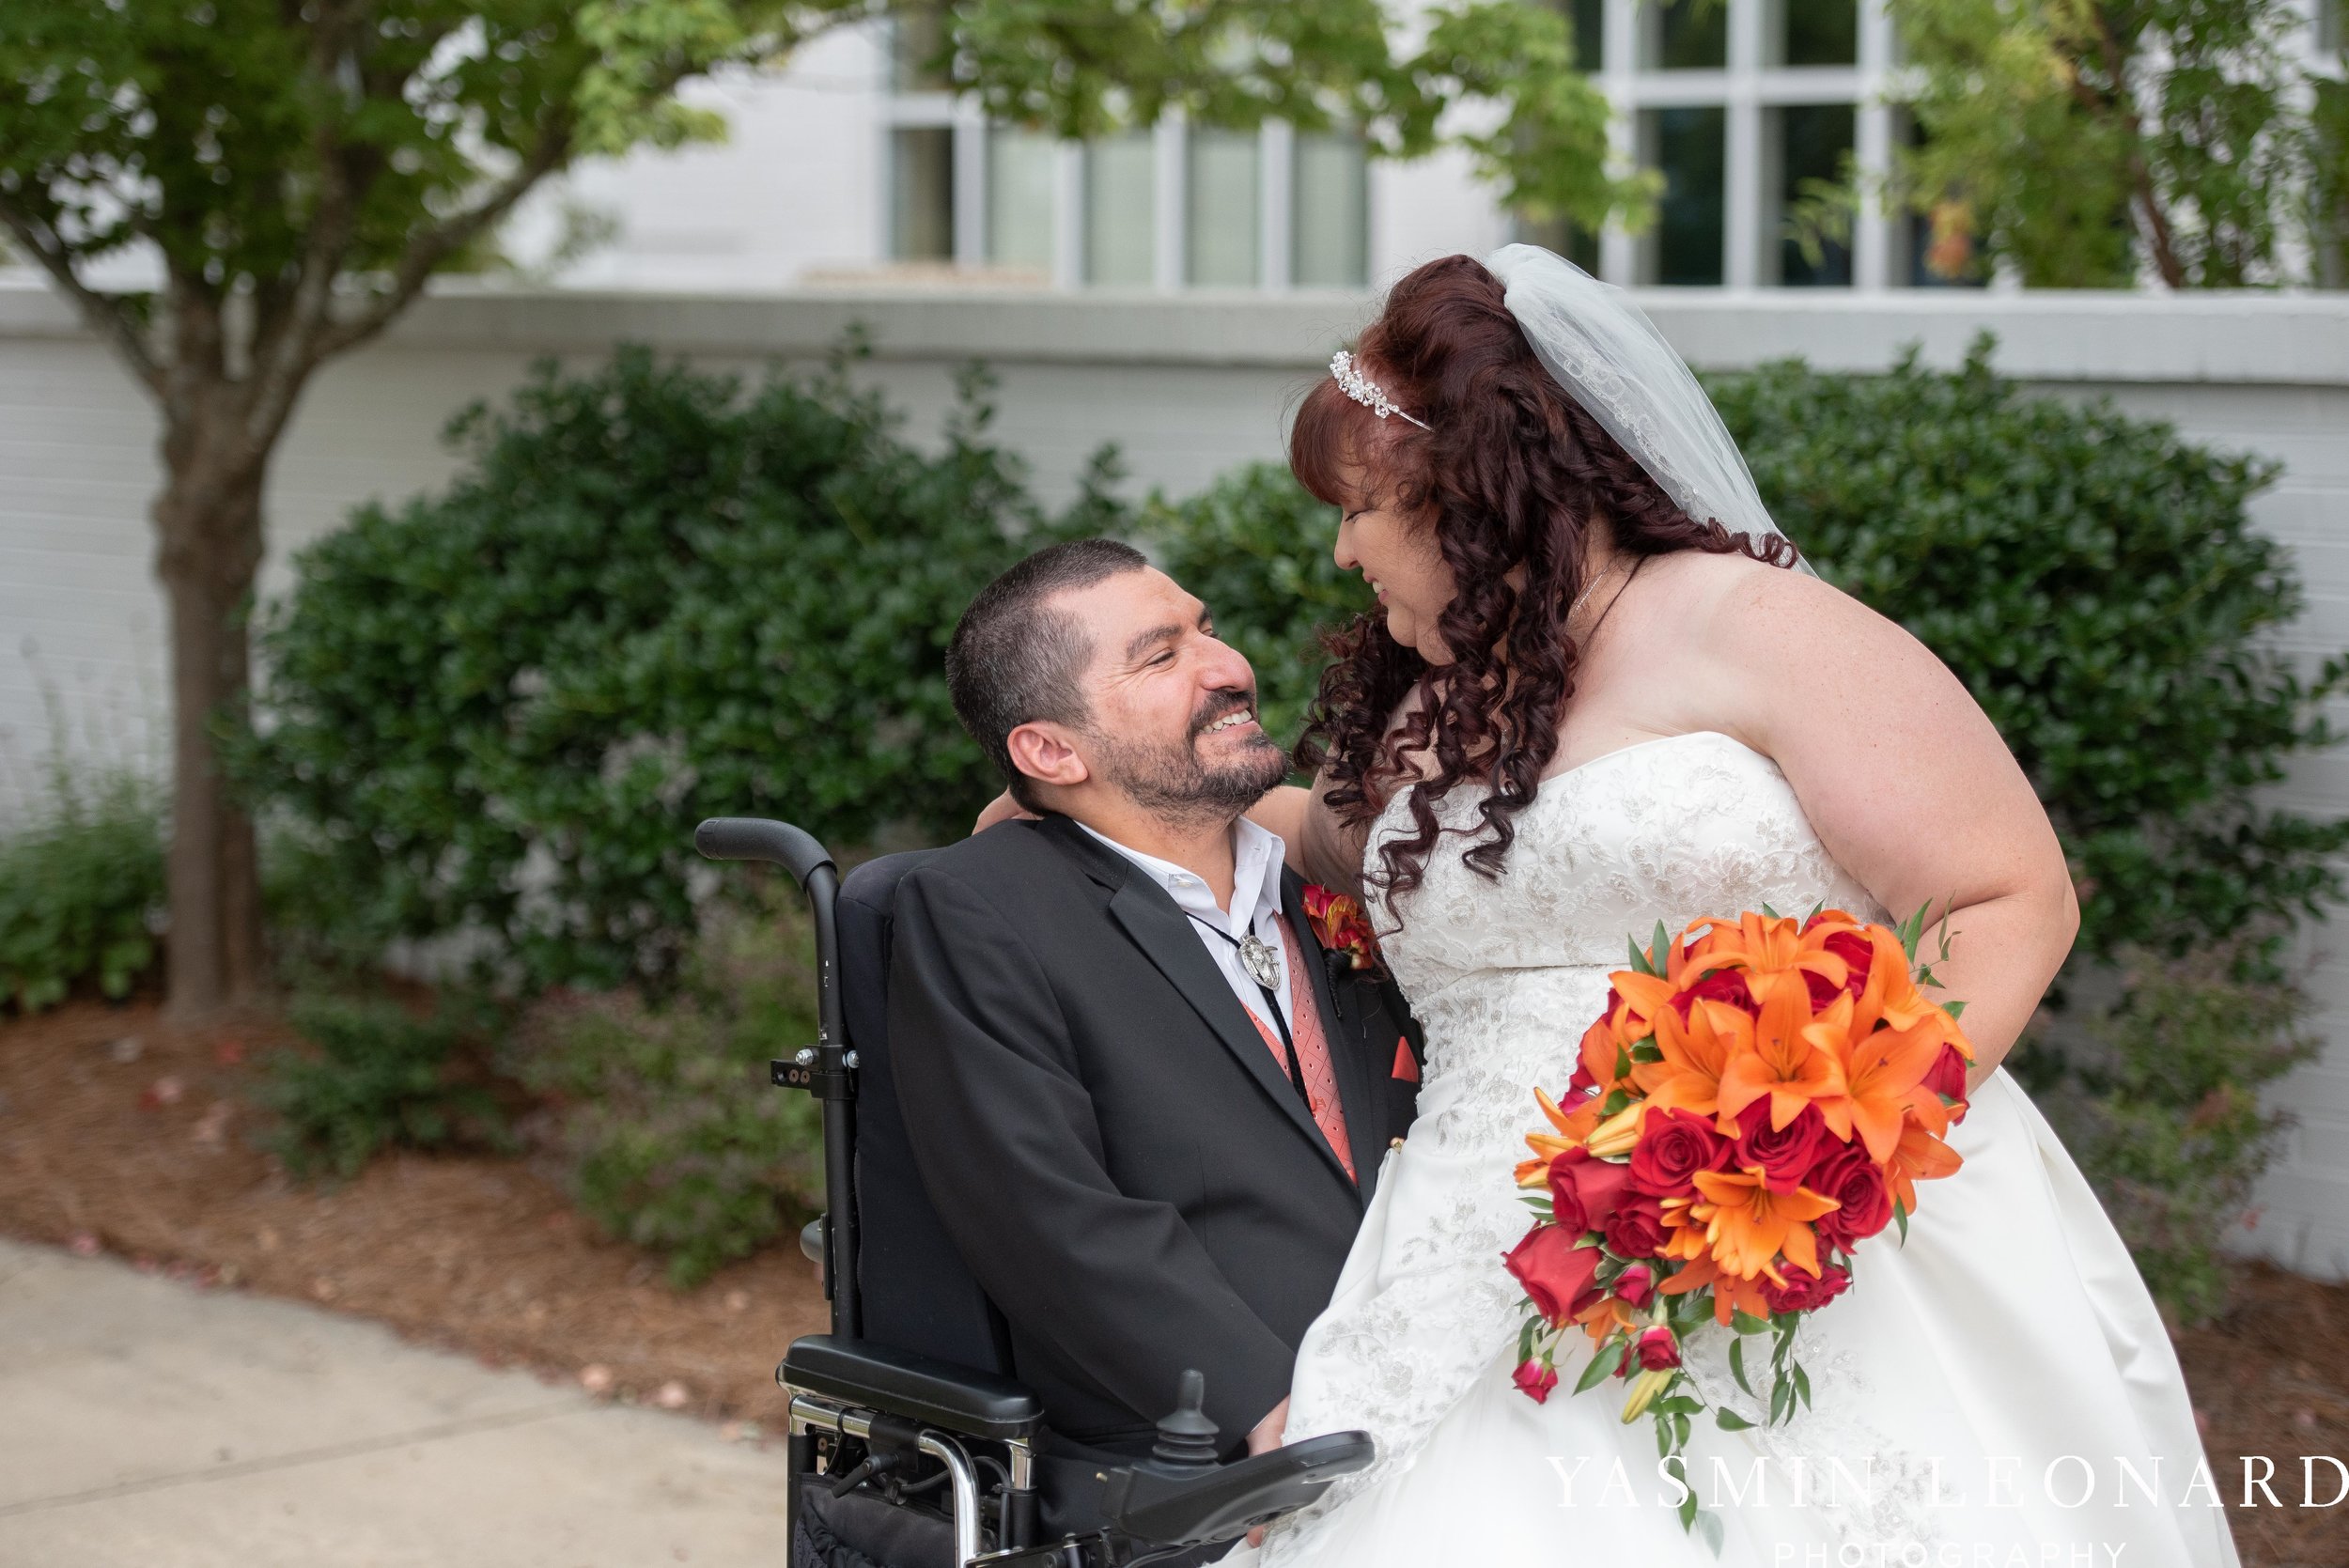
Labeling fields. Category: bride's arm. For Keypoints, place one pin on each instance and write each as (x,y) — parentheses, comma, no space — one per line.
(1907,784)
(1320,850)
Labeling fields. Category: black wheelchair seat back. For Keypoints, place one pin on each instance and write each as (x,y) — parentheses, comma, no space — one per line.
(917,1293)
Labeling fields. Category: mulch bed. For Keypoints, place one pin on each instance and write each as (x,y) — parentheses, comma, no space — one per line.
(122,1133)
(119,1133)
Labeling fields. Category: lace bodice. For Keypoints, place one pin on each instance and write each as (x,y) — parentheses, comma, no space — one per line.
(1504,976)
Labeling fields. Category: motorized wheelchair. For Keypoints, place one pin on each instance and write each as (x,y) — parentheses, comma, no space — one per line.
(912,1444)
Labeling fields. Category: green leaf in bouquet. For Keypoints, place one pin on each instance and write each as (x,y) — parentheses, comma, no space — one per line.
(1900,1213)
(1659,950)
(1638,959)
(1647,1050)
(1663,1434)
(1608,1356)
(1802,1385)
(1680,1429)
(1955,1009)
(1773,914)
(1709,1527)
(1781,1400)
(1615,1102)
(1730,1421)
(1746,1323)
(1525,1340)
(1736,1367)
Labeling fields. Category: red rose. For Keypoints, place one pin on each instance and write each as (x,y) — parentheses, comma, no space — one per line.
(1850,1177)
(1636,1229)
(1636,1286)
(1673,1146)
(1584,1190)
(1803,1293)
(1555,1272)
(1782,1154)
(1947,1077)
(1857,951)
(1535,1381)
(1657,1350)
(1727,986)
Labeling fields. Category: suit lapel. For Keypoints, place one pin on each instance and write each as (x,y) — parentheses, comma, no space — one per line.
(1164,934)
(1350,1056)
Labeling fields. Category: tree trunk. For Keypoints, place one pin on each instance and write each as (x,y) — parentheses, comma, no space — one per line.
(208,527)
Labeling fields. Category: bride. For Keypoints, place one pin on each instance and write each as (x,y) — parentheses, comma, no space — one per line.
(1604,693)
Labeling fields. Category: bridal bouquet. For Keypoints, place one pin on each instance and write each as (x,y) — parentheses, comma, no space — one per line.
(1759,1097)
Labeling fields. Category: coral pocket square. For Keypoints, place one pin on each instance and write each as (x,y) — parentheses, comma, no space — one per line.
(1405,1066)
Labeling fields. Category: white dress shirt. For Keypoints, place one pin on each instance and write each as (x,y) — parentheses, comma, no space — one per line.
(1257,854)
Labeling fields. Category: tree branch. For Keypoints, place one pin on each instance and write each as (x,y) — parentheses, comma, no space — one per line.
(103,316)
(434,245)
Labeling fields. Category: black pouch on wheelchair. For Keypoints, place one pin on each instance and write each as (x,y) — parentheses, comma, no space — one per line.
(860,1531)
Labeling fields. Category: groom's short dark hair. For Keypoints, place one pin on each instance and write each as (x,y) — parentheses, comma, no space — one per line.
(1014,660)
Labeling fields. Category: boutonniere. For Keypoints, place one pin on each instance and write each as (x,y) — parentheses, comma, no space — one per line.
(1342,928)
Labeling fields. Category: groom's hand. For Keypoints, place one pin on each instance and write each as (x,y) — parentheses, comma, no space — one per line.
(1264,1440)
(1267,1433)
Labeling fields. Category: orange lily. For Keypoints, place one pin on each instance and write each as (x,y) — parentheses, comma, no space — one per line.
(1770,1055)
(1690,1076)
(1919,1156)
(1884,1077)
(1731,1294)
(1748,1225)
(1768,948)
(1573,1129)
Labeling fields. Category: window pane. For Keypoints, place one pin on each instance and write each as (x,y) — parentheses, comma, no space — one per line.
(1020,226)
(922,193)
(1818,32)
(1561,235)
(917,44)
(1918,240)
(1590,33)
(1121,231)
(1686,35)
(1220,218)
(1329,213)
(1813,144)
(1685,246)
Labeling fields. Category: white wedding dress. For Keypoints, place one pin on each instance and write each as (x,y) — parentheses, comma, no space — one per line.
(2009,1339)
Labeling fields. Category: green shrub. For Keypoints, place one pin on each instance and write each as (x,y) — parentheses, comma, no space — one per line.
(1255,548)
(648,599)
(672,1135)
(380,1076)
(2159,1097)
(81,887)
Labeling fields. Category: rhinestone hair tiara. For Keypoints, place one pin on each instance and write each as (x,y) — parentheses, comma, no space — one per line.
(1364,391)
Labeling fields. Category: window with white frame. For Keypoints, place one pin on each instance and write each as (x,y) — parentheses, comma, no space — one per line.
(1170,207)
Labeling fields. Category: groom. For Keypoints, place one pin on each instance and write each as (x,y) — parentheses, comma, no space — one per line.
(1147,1103)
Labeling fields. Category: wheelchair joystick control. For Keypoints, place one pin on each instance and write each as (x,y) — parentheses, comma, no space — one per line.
(1186,1438)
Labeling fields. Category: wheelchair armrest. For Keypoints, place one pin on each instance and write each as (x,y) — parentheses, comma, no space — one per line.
(1225,1502)
(920,1389)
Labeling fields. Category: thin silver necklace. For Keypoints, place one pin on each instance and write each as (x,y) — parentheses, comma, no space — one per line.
(1588,589)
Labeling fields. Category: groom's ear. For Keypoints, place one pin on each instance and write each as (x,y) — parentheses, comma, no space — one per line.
(1046,753)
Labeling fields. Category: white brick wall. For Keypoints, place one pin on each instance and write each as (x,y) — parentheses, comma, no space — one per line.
(1187,386)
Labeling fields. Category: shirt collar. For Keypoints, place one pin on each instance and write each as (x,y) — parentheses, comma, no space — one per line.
(1257,856)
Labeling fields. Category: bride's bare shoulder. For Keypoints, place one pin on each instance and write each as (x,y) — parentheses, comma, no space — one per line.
(1738,593)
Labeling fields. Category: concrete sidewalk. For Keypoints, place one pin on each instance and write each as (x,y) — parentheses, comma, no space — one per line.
(147,1425)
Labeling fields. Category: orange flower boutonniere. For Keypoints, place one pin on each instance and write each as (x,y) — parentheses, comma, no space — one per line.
(1342,928)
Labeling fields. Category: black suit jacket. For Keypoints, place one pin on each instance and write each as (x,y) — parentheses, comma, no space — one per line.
(1115,1151)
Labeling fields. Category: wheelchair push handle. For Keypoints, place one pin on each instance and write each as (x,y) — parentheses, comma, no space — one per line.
(758,838)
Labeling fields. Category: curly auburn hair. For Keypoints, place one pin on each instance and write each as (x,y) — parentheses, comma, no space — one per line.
(1510,476)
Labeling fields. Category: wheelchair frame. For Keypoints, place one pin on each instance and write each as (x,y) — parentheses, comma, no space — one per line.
(887,1409)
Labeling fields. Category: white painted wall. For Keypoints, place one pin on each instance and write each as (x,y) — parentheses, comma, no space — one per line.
(1187,386)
